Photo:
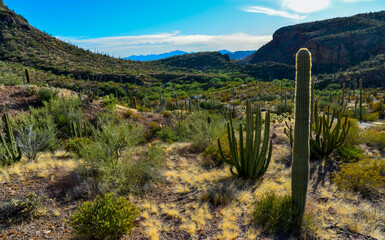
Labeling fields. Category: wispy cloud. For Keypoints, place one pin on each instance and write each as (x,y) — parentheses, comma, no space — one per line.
(273,12)
(306,6)
(353,1)
(164,42)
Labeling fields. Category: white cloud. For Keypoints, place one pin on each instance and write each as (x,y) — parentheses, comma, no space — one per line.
(273,12)
(306,6)
(353,1)
(165,42)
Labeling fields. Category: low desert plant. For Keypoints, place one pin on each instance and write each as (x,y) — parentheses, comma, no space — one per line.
(46,94)
(34,142)
(219,194)
(365,176)
(275,214)
(16,211)
(107,217)
(350,154)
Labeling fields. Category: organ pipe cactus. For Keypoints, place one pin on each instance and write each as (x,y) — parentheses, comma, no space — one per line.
(301,140)
(328,136)
(253,157)
(9,152)
(78,129)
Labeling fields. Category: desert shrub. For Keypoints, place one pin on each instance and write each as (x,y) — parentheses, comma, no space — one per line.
(324,104)
(10,79)
(107,217)
(280,107)
(274,214)
(167,134)
(212,151)
(365,176)
(110,101)
(76,144)
(355,134)
(152,130)
(132,115)
(30,89)
(112,138)
(38,117)
(375,138)
(220,194)
(64,111)
(143,171)
(16,211)
(46,94)
(144,109)
(115,169)
(166,114)
(33,142)
(370,117)
(350,154)
(197,129)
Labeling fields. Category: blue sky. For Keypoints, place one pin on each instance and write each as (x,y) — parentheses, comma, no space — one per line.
(127,27)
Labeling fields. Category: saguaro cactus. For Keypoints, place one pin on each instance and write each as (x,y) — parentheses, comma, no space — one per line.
(360,100)
(27,77)
(9,153)
(301,143)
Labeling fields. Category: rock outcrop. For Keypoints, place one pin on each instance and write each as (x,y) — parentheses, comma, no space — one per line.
(335,43)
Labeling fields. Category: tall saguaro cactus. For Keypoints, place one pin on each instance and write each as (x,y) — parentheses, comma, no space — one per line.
(360,100)
(301,143)
(27,77)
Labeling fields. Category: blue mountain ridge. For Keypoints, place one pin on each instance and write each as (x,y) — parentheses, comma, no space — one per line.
(153,57)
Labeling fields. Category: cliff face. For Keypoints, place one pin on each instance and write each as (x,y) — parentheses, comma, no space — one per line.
(334,43)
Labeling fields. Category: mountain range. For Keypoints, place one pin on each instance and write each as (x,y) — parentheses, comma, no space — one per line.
(152,57)
(343,49)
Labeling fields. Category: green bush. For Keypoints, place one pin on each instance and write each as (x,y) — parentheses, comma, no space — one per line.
(10,79)
(280,107)
(365,176)
(197,129)
(64,111)
(167,134)
(46,94)
(212,151)
(110,102)
(143,171)
(274,214)
(107,217)
(375,138)
(76,144)
(350,154)
(115,169)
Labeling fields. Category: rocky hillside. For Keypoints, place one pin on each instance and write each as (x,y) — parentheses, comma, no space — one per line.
(335,43)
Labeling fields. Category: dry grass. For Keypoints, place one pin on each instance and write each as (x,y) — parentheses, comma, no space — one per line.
(41,168)
(186,176)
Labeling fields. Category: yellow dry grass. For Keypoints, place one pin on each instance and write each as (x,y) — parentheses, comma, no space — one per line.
(43,167)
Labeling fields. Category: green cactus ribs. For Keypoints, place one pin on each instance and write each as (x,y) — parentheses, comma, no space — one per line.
(253,157)
(9,151)
(301,139)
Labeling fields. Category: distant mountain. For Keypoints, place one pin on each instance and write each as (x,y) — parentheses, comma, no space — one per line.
(153,57)
(202,61)
(238,54)
(335,44)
